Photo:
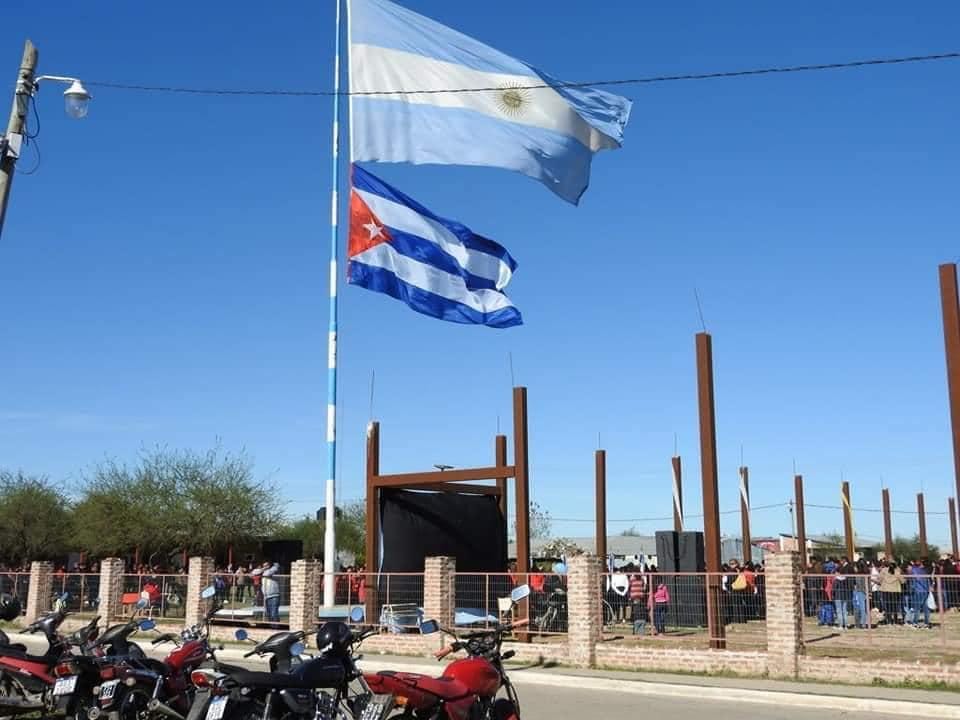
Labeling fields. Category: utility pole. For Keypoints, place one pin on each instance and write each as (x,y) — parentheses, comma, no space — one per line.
(11,142)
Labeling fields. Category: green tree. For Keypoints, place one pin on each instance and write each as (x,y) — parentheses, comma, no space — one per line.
(350,527)
(34,518)
(908,548)
(175,500)
(541,524)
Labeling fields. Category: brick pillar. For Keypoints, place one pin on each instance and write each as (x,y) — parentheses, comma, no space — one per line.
(438,592)
(305,579)
(199,576)
(39,594)
(583,609)
(784,614)
(111,587)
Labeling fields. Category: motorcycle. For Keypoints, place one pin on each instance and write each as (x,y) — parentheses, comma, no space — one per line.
(468,689)
(554,617)
(26,680)
(136,687)
(325,687)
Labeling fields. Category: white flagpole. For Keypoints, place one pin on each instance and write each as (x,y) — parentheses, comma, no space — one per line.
(330,533)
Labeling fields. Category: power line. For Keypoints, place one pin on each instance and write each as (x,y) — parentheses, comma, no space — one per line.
(536,86)
(666,518)
(875,510)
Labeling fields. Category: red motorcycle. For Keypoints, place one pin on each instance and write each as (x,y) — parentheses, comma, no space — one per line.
(468,688)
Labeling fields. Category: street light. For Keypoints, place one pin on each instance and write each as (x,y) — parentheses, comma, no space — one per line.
(76,103)
(442,468)
(76,99)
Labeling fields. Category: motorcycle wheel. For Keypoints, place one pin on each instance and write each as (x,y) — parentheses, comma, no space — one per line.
(504,709)
(134,704)
(9,688)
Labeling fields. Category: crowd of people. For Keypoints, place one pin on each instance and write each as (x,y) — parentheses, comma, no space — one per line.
(848,594)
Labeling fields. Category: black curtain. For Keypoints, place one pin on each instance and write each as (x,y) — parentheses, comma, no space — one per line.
(416,525)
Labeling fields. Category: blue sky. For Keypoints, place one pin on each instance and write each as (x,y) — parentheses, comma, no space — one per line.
(163,274)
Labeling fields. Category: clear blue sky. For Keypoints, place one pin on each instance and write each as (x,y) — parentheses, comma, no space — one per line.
(163,275)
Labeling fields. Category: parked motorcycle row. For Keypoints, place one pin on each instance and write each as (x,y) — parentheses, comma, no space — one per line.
(89,675)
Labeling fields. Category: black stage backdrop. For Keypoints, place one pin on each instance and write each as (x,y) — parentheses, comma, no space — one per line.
(417,525)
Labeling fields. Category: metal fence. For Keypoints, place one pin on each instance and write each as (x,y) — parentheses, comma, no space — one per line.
(246,604)
(477,598)
(860,616)
(78,592)
(391,600)
(16,584)
(165,595)
(672,608)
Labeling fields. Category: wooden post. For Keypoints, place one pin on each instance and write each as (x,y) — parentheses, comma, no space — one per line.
(848,521)
(951,337)
(745,514)
(677,494)
(373,522)
(922,519)
(521,463)
(952,514)
(500,460)
(600,461)
(711,503)
(801,522)
(887,525)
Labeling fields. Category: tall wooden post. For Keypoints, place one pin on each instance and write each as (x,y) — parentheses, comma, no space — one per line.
(521,462)
(711,502)
(951,338)
(745,514)
(848,520)
(922,519)
(887,525)
(952,514)
(373,522)
(801,521)
(600,462)
(500,460)
(677,494)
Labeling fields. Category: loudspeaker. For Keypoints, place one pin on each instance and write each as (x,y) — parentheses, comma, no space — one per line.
(690,555)
(668,551)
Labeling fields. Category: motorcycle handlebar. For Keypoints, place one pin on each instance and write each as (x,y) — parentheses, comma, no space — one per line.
(442,653)
(520,623)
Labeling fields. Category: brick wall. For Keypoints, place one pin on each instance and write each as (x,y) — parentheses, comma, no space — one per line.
(305,579)
(784,614)
(708,662)
(39,594)
(583,614)
(438,590)
(111,587)
(199,576)
(859,672)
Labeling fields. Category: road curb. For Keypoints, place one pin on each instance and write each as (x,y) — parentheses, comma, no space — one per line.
(817,701)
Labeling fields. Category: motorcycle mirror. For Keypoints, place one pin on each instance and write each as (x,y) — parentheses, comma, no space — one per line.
(147,624)
(208,592)
(428,627)
(297,649)
(241,634)
(356,615)
(519,593)
(141,603)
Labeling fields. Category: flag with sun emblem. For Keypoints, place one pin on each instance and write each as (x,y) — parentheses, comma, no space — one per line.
(502,113)
(436,266)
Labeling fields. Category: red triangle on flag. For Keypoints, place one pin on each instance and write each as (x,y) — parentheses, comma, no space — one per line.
(366,230)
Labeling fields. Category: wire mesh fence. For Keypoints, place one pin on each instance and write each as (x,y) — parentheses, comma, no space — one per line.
(393,601)
(482,599)
(674,608)
(890,613)
(76,592)
(259,600)
(16,584)
(164,595)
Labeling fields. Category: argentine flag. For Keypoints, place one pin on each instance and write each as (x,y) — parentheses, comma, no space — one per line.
(549,133)
(436,266)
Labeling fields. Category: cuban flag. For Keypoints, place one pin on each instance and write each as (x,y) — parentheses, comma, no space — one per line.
(436,266)
(401,64)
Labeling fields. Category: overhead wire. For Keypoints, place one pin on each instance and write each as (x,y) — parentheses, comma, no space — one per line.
(649,80)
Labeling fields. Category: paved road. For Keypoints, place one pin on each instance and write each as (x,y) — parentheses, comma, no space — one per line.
(547,703)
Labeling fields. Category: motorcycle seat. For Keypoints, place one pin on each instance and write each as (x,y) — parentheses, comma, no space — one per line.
(20,652)
(266,679)
(445,688)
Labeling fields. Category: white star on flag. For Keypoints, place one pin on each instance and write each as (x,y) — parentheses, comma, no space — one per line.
(373,229)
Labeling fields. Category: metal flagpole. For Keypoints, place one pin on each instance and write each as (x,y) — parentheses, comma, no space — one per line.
(330,533)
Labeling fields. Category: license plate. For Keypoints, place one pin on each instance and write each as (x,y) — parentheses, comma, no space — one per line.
(217,707)
(65,685)
(108,689)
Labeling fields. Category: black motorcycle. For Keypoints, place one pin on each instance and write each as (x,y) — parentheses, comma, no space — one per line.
(325,687)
